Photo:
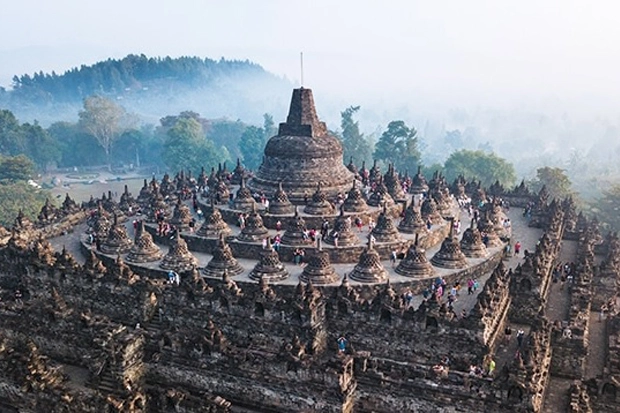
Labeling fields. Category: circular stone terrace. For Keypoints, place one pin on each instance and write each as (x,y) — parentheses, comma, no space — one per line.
(343,259)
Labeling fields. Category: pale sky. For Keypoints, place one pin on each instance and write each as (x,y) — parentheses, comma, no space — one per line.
(433,53)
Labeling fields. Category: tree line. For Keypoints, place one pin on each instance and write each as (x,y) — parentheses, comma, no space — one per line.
(114,76)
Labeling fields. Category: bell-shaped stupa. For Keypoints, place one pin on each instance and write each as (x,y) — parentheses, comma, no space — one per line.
(385,231)
(178,257)
(214,225)
(295,231)
(319,269)
(144,249)
(450,254)
(301,155)
(244,200)
(412,222)
(319,205)
(280,204)
(369,268)
(342,234)
(269,267)
(254,229)
(117,241)
(415,264)
(471,243)
(355,201)
(222,261)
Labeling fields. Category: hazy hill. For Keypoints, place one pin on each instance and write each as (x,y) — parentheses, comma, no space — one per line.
(152,88)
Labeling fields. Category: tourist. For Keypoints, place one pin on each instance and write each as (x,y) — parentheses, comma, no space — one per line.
(335,236)
(297,256)
(278,226)
(312,234)
(241,221)
(342,345)
(507,334)
(517,248)
(192,225)
(171,277)
(359,224)
(324,229)
(520,335)
(408,296)
(601,314)
(491,367)
(393,258)
(476,285)
(371,224)
(470,286)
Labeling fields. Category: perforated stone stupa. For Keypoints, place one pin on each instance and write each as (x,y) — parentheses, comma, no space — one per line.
(450,254)
(280,204)
(342,233)
(355,201)
(415,263)
(385,231)
(178,257)
(243,201)
(319,269)
(301,155)
(412,223)
(254,229)
(369,268)
(144,249)
(214,225)
(117,241)
(294,234)
(222,261)
(269,267)
(471,243)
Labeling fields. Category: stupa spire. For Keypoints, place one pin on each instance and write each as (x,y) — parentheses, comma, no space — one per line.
(302,119)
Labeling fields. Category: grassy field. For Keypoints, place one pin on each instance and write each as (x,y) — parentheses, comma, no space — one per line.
(81,191)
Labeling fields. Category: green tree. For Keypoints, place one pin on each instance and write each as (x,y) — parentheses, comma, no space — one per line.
(354,144)
(16,168)
(105,121)
(18,196)
(399,145)
(39,145)
(186,148)
(11,142)
(269,126)
(224,132)
(555,180)
(607,208)
(486,167)
(77,148)
(252,146)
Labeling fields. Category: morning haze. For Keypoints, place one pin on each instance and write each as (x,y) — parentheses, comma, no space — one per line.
(509,76)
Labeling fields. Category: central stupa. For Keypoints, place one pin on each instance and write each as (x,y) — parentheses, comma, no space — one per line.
(302,155)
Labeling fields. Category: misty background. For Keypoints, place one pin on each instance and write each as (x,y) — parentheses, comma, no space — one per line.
(533,81)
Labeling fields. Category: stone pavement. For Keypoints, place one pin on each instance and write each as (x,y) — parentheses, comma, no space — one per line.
(557,309)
